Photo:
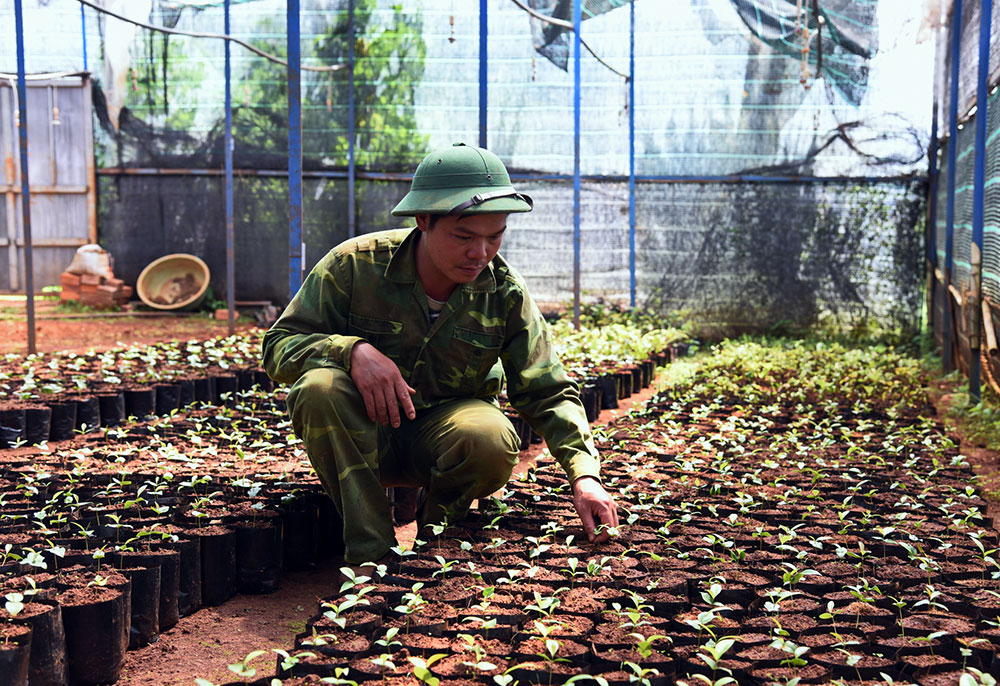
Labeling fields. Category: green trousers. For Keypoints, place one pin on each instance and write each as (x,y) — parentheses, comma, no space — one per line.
(459,451)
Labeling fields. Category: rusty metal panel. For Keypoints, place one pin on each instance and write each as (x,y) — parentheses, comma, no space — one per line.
(61,166)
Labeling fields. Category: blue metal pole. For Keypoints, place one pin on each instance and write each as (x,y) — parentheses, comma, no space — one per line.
(352,220)
(931,235)
(230,228)
(978,196)
(956,45)
(83,32)
(631,154)
(22,135)
(294,150)
(483,64)
(577,20)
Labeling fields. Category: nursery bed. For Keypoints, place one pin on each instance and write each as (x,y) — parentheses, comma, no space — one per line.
(788,512)
(204,502)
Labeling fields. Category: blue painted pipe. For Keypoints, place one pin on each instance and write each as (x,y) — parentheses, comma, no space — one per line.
(22,137)
(230,228)
(517,176)
(577,20)
(483,64)
(631,154)
(294,150)
(352,220)
(930,235)
(979,190)
(956,46)
(83,33)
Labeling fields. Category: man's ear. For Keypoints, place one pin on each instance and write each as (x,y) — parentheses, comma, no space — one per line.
(423,221)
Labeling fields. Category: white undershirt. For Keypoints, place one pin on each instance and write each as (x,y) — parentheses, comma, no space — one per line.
(434,307)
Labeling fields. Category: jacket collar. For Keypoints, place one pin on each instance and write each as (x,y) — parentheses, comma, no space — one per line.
(402,267)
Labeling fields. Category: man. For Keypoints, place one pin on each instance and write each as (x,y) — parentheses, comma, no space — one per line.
(396,348)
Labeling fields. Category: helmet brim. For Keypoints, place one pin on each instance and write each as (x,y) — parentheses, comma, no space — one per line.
(444,200)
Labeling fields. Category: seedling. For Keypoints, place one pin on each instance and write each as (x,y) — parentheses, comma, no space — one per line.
(421,668)
(931,601)
(644,645)
(478,663)
(412,601)
(713,652)
(242,668)
(339,613)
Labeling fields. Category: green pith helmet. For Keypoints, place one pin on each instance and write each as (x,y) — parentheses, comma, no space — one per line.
(461,179)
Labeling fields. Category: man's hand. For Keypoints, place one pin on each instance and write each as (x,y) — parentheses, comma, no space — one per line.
(595,506)
(381,385)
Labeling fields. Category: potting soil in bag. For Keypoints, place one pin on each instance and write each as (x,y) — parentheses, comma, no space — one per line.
(189,577)
(608,384)
(145,616)
(12,427)
(258,557)
(186,387)
(169,563)
(261,378)
(244,379)
(37,423)
(167,397)
(301,534)
(88,414)
(112,407)
(97,624)
(225,384)
(47,664)
(204,389)
(218,564)
(63,421)
(15,651)
(139,402)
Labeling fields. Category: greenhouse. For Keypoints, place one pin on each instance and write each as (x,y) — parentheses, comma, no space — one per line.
(504,342)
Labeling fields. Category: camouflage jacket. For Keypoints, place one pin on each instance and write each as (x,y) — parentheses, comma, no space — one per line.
(367,288)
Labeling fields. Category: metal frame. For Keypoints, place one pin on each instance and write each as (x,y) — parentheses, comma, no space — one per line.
(631,156)
(484,57)
(83,32)
(577,20)
(978,208)
(947,357)
(296,174)
(352,220)
(230,223)
(296,246)
(22,135)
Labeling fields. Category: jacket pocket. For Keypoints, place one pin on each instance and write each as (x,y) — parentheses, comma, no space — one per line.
(483,349)
(385,334)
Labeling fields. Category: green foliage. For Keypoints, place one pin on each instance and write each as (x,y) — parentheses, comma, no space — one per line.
(389,63)
(612,333)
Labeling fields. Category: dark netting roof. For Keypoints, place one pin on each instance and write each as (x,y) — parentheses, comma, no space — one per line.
(847,40)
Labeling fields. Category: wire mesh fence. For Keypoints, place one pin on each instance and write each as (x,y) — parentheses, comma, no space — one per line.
(964,324)
(781,175)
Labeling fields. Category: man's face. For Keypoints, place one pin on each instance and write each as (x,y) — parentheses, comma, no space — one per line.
(457,248)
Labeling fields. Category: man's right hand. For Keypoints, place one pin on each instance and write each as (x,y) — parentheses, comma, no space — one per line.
(381,385)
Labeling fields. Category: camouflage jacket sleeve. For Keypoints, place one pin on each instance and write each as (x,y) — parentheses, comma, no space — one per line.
(538,388)
(310,333)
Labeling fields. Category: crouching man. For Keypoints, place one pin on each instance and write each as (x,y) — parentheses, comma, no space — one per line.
(396,348)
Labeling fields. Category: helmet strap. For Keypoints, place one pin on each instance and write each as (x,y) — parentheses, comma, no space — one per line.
(480,198)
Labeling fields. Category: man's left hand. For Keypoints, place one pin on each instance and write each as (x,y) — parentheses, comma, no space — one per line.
(595,507)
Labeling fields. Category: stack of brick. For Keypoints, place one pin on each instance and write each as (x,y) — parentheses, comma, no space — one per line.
(95,291)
